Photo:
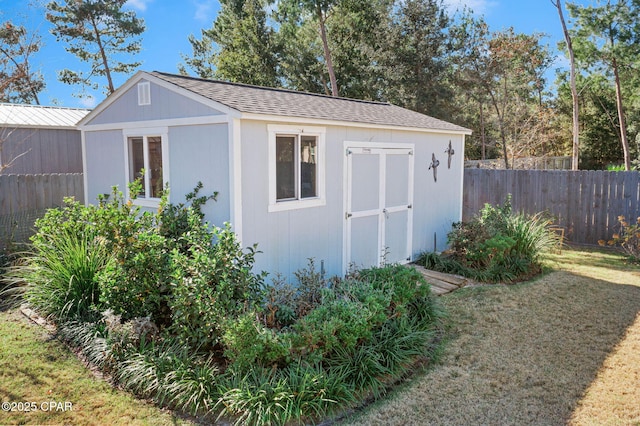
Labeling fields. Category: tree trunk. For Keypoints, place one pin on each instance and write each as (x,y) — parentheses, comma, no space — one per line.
(105,61)
(327,52)
(574,90)
(483,136)
(621,119)
(503,137)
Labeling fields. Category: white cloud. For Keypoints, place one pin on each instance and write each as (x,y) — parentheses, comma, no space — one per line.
(140,5)
(204,11)
(479,7)
(88,101)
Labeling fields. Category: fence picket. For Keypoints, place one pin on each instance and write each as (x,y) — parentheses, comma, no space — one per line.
(585,203)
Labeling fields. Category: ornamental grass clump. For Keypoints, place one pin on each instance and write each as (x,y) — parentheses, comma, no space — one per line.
(496,245)
(61,274)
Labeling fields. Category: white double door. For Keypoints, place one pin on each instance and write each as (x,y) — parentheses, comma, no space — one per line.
(378,204)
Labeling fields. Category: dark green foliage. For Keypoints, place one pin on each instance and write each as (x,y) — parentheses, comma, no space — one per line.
(211,283)
(495,246)
(248,343)
(239,47)
(62,274)
(175,218)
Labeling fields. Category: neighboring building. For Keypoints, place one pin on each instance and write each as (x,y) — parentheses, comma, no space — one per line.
(37,139)
(303,175)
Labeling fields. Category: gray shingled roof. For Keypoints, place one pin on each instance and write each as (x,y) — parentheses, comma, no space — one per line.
(19,115)
(269,101)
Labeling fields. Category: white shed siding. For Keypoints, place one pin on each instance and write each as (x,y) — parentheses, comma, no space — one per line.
(436,204)
(218,133)
(104,153)
(201,153)
(165,104)
(288,238)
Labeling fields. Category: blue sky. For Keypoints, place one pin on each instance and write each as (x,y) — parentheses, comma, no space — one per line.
(169,22)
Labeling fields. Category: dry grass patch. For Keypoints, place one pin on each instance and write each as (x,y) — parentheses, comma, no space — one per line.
(561,348)
(34,367)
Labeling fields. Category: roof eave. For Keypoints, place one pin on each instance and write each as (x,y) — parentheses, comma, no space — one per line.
(325,122)
(37,126)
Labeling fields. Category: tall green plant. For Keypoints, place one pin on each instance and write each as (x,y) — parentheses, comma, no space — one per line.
(212,282)
(61,274)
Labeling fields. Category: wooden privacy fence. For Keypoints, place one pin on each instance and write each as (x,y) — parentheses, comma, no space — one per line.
(585,203)
(24,198)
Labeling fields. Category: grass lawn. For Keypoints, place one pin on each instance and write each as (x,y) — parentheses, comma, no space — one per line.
(564,348)
(35,368)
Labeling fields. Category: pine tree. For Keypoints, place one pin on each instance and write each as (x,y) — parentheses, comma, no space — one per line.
(97,32)
(239,47)
(607,39)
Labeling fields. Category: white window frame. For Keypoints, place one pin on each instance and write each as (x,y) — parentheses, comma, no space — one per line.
(145,133)
(298,131)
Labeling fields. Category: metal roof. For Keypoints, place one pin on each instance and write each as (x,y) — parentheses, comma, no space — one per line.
(18,115)
(287,103)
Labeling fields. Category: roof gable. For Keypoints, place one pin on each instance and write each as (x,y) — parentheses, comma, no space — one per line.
(287,103)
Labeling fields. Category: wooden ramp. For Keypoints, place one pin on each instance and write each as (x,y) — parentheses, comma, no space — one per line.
(442,283)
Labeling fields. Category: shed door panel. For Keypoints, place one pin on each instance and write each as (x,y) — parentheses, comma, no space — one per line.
(364,240)
(365,187)
(379,216)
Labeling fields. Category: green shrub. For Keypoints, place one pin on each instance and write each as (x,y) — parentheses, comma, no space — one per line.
(334,324)
(177,220)
(248,343)
(212,283)
(223,342)
(495,245)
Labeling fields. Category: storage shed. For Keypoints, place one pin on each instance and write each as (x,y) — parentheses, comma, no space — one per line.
(342,181)
(39,139)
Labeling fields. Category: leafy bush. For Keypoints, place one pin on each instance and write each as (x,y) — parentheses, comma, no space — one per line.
(248,344)
(628,237)
(211,283)
(496,245)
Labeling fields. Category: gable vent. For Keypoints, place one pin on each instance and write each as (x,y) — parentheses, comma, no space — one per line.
(144,93)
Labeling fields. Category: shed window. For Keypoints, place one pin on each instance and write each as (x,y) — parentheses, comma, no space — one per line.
(296,167)
(145,154)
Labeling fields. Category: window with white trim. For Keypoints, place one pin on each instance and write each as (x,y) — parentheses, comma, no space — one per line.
(146,159)
(296,167)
